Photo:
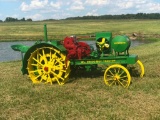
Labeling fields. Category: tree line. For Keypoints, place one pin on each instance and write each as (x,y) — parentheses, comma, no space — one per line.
(11,19)
(122,16)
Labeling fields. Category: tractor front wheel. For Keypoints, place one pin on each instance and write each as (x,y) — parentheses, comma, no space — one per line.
(117,75)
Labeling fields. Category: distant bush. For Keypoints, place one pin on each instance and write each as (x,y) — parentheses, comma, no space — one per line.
(10,19)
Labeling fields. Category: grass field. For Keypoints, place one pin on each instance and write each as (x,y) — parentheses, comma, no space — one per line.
(85,97)
(145,29)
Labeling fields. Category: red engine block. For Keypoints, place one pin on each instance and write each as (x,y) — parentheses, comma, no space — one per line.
(76,50)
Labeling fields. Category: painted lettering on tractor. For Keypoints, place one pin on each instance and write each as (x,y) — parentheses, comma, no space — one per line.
(119,42)
(97,61)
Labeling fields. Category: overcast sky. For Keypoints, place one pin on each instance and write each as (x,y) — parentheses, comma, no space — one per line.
(60,9)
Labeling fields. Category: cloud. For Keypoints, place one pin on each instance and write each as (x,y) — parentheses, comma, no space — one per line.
(97,2)
(76,8)
(152,7)
(149,8)
(92,13)
(60,15)
(76,5)
(8,0)
(60,9)
(36,17)
(134,6)
(125,5)
(56,5)
(35,4)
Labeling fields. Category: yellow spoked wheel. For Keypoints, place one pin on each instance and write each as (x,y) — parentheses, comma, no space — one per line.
(48,65)
(117,75)
(137,69)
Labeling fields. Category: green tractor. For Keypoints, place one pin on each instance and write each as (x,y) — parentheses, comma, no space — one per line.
(52,61)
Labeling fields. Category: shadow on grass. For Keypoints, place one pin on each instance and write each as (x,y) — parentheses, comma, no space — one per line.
(82,74)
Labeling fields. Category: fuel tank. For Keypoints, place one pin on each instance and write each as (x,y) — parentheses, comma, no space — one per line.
(120,43)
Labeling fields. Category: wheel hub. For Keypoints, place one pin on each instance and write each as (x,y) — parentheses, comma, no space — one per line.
(46,69)
(116,77)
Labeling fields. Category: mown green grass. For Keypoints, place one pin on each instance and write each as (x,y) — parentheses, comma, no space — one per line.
(83,98)
(145,29)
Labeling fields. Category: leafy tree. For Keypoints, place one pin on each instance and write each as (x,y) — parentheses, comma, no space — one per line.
(29,19)
(23,19)
(10,19)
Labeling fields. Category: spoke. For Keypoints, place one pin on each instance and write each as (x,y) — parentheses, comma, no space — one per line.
(37,76)
(121,83)
(50,53)
(57,75)
(58,68)
(61,70)
(124,77)
(118,70)
(111,72)
(115,70)
(57,51)
(34,65)
(37,65)
(110,80)
(37,61)
(38,54)
(49,79)
(34,71)
(112,83)
(53,58)
(124,80)
(44,56)
(59,60)
(44,77)
(43,52)
(110,76)
(58,81)
(121,73)
(66,75)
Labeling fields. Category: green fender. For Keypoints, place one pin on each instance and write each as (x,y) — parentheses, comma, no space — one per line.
(36,46)
(21,48)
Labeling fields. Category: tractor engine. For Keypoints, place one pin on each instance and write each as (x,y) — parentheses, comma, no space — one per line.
(76,50)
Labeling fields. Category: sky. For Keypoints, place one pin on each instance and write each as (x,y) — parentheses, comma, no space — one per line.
(61,9)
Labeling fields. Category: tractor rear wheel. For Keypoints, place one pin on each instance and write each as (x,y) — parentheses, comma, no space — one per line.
(117,75)
(48,65)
